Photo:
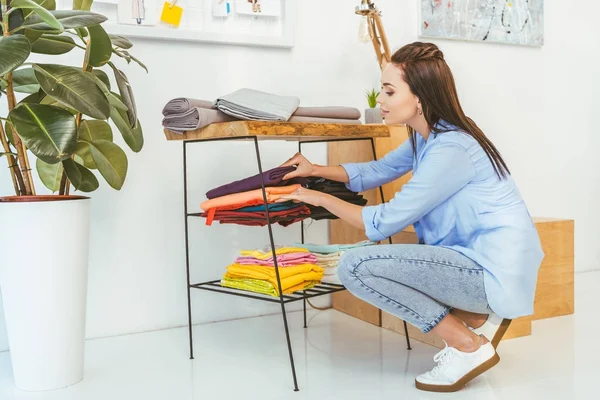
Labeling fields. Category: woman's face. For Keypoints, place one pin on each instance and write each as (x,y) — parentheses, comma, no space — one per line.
(398,104)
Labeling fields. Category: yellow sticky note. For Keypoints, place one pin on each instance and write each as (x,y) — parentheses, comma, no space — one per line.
(171,14)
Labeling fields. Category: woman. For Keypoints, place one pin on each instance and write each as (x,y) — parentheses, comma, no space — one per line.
(476,267)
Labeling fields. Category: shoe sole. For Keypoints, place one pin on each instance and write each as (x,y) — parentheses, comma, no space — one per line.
(462,381)
(500,332)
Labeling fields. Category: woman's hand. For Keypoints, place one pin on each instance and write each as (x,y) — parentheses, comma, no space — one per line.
(308,196)
(305,167)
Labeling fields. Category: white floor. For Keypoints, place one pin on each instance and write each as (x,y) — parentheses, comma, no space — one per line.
(337,357)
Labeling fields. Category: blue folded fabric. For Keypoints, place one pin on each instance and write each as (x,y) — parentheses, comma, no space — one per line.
(332,248)
(272,207)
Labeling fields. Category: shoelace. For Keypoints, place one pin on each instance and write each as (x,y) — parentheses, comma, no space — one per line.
(447,354)
(442,358)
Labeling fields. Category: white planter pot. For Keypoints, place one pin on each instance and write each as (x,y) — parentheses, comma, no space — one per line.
(43,278)
(373,116)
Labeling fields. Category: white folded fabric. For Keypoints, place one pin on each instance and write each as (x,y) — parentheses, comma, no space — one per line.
(252,104)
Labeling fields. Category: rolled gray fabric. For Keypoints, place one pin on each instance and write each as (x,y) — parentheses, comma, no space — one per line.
(316,120)
(194,119)
(252,104)
(328,112)
(184,104)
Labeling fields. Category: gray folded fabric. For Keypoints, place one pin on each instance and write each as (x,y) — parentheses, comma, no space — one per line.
(194,118)
(316,120)
(255,105)
(328,112)
(183,104)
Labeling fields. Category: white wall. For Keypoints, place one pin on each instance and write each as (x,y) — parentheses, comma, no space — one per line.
(535,104)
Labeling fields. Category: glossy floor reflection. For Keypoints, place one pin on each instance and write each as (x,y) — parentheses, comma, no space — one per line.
(336,357)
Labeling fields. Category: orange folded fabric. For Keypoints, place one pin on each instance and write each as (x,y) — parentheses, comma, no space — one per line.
(250,198)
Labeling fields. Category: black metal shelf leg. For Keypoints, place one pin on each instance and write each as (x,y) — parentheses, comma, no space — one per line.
(187,250)
(390,240)
(302,241)
(281,300)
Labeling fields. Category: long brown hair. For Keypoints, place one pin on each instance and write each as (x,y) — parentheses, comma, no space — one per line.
(431,80)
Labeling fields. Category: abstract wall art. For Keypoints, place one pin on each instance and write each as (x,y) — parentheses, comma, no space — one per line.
(519,22)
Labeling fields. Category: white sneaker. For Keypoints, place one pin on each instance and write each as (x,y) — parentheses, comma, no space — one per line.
(455,368)
(493,329)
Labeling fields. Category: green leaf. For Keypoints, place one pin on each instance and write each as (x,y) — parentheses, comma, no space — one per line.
(99,47)
(74,88)
(47,4)
(82,178)
(82,5)
(113,99)
(90,130)
(128,57)
(53,44)
(50,174)
(14,51)
(53,102)
(24,81)
(102,76)
(84,151)
(133,137)
(82,32)
(9,133)
(126,96)
(15,20)
(33,36)
(120,41)
(41,12)
(69,19)
(141,64)
(49,132)
(34,98)
(111,162)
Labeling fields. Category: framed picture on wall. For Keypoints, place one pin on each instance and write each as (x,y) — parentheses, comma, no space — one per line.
(519,22)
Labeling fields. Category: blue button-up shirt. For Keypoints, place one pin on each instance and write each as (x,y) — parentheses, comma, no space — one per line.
(456,200)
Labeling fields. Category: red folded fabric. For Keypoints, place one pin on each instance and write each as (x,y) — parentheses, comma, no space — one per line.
(258,218)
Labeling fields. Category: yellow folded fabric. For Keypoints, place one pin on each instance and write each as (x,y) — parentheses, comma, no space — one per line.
(290,276)
(263,287)
(264,255)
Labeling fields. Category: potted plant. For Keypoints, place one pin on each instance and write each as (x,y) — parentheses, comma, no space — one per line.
(57,114)
(373,113)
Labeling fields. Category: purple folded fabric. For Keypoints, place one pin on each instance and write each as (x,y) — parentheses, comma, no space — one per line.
(328,112)
(317,120)
(272,177)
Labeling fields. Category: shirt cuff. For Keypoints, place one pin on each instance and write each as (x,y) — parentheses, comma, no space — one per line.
(368,216)
(355,181)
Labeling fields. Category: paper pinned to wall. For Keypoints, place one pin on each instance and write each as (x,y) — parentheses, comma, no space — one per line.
(266,8)
(138,12)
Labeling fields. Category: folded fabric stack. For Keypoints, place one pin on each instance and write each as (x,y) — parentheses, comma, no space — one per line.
(328,257)
(186,114)
(254,271)
(241,202)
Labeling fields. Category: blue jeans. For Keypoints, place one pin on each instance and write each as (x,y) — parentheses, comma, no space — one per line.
(419,284)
